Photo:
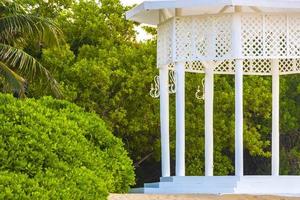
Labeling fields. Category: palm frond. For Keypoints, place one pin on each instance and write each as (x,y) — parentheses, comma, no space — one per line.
(17,25)
(10,7)
(15,81)
(27,65)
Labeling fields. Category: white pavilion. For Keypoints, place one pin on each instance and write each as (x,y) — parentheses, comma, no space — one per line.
(234,37)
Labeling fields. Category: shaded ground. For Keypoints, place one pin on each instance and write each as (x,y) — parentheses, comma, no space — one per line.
(195,197)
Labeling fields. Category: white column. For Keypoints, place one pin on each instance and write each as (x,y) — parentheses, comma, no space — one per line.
(180,119)
(209,137)
(275,118)
(239,150)
(237,53)
(164,120)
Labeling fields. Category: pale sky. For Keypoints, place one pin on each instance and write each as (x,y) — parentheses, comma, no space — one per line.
(131,2)
(142,35)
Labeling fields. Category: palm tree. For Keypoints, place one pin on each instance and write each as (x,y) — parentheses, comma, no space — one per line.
(17,67)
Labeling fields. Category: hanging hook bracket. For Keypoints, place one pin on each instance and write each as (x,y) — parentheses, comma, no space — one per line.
(198,94)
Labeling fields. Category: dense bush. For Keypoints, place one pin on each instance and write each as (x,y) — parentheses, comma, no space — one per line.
(52,149)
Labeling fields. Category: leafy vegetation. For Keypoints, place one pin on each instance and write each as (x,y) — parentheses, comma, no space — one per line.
(104,69)
(17,67)
(52,149)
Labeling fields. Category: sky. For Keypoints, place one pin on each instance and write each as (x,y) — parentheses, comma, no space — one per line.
(142,35)
(131,2)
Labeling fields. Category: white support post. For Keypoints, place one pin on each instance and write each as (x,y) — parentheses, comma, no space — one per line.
(164,120)
(275,118)
(237,53)
(239,149)
(209,137)
(180,119)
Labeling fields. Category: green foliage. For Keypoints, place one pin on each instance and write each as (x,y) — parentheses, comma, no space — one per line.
(52,149)
(290,125)
(17,67)
(105,70)
(45,8)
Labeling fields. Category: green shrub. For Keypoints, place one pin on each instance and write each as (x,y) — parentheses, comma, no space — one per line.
(52,149)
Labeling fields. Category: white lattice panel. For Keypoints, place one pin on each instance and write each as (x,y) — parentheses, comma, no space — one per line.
(195,39)
(271,35)
(203,38)
(294,35)
(252,35)
(222,37)
(297,64)
(251,67)
(194,66)
(164,43)
(259,66)
(289,66)
(171,66)
(224,66)
(275,36)
(286,65)
(184,46)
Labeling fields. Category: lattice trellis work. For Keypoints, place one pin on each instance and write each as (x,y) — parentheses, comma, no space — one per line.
(164,43)
(195,39)
(251,67)
(202,38)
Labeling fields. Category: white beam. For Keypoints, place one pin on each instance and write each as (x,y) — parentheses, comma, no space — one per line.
(275,118)
(209,137)
(164,121)
(239,149)
(180,119)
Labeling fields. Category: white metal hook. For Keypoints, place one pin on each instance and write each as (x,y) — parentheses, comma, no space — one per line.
(154,91)
(198,94)
(172,85)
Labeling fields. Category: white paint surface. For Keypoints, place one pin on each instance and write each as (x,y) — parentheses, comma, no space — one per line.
(147,11)
(260,185)
(239,149)
(180,119)
(164,121)
(209,129)
(275,118)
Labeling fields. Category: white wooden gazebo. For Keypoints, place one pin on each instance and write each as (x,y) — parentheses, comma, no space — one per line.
(236,37)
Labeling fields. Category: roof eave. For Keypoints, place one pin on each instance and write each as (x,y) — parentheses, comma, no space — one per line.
(291,4)
(134,11)
(148,11)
